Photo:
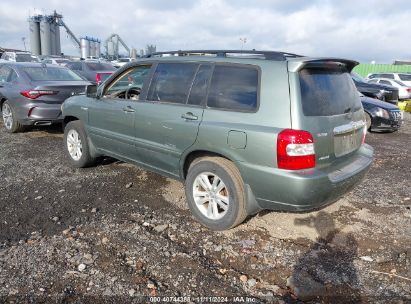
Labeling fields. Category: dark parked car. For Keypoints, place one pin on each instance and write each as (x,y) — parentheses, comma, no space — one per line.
(380,115)
(94,71)
(245,131)
(32,93)
(380,91)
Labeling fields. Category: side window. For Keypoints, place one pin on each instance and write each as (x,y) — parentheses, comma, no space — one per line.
(4,73)
(12,76)
(171,82)
(389,76)
(234,88)
(129,84)
(198,93)
(75,66)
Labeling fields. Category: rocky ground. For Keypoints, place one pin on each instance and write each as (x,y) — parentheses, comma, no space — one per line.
(115,233)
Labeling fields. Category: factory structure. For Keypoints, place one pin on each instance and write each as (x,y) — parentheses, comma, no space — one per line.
(45,39)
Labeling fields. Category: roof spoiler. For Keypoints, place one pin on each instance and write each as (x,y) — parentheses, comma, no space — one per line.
(295,65)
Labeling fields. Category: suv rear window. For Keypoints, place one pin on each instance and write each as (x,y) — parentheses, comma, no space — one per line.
(97,66)
(234,88)
(327,92)
(52,74)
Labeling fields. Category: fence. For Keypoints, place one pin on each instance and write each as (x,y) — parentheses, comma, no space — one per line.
(364,69)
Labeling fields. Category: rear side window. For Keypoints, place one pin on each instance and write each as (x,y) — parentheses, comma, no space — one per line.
(198,93)
(234,88)
(405,77)
(171,82)
(327,92)
(389,76)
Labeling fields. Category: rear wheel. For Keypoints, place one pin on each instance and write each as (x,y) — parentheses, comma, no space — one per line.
(76,145)
(215,193)
(10,121)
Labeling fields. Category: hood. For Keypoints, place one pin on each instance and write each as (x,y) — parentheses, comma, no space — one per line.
(378,103)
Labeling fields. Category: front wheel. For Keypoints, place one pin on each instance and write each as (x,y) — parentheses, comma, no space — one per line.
(368,121)
(215,193)
(76,145)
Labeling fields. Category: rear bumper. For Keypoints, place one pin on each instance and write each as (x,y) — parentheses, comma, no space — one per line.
(302,190)
(40,114)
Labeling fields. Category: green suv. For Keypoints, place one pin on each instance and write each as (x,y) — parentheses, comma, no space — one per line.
(245,131)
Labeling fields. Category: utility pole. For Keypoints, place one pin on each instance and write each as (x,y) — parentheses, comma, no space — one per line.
(243,41)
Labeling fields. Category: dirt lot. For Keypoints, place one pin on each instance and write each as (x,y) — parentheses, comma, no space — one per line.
(115,233)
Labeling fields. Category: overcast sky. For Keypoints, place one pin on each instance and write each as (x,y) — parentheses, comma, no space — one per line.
(363,30)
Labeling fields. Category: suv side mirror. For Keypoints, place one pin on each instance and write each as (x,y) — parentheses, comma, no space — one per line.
(91,91)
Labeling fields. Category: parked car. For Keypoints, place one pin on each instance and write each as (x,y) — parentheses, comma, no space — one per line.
(32,93)
(18,57)
(92,70)
(404,91)
(379,91)
(56,60)
(380,115)
(122,61)
(268,130)
(403,77)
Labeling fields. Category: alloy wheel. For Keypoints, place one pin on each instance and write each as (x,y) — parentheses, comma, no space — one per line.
(211,195)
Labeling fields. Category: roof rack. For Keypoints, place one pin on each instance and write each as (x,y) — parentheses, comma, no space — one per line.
(267,55)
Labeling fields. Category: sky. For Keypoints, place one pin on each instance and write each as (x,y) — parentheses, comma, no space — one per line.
(372,30)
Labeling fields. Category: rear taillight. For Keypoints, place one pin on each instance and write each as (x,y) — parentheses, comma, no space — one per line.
(98,78)
(33,94)
(364,133)
(408,90)
(295,150)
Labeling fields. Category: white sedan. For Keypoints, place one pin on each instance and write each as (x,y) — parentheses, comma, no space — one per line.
(404,91)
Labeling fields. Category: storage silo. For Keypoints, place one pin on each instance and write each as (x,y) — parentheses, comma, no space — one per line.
(92,48)
(35,46)
(98,49)
(115,45)
(110,48)
(52,38)
(85,47)
(45,36)
(58,43)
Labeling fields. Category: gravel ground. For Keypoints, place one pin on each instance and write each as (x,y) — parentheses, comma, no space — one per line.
(115,233)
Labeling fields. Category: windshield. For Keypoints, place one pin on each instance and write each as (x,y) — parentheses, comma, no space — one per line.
(53,74)
(62,61)
(98,66)
(26,58)
(124,60)
(405,77)
(327,92)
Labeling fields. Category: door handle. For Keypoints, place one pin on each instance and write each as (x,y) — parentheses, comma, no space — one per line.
(128,109)
(189,116)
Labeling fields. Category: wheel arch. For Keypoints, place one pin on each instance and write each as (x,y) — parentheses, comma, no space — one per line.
(192,155)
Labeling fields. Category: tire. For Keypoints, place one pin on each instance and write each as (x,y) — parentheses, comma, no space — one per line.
(11,124)
(227,213)
(76,145)
(368,121)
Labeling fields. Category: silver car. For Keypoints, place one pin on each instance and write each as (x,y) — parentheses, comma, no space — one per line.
(32,93)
